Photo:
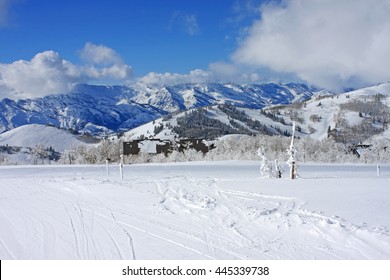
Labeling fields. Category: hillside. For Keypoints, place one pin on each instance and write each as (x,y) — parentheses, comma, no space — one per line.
(360,116)
(101,110)
(35,135)
(351,117)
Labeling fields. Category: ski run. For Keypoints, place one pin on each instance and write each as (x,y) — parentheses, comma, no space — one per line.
(195,210)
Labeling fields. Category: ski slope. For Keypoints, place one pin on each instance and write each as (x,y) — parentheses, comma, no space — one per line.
(195,210)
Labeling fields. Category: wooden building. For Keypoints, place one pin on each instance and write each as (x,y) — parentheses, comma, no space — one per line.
(157,146)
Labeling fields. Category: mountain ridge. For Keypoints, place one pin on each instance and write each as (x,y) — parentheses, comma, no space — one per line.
(349,118)
(101,110)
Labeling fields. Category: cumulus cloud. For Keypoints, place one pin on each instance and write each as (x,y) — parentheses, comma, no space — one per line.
(99,54)
(332,44)
(48,73)
(45,73)
(103,63)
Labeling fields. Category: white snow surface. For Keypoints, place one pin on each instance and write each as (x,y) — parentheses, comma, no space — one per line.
(195,210)
(35,134)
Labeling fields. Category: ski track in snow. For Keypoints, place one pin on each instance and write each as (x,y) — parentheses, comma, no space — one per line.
(276,215)
(170,214)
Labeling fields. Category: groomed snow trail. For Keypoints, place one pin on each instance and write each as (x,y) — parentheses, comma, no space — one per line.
(193,211)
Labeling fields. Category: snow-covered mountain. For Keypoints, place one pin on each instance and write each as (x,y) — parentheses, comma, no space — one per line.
(170,111)
(100,110)
(351,117)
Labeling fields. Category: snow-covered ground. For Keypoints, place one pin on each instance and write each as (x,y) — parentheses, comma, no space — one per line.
(198,210)
(36,134)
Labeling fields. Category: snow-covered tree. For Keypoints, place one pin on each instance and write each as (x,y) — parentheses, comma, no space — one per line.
(68,157)
(292,152)
(265,166)
(39,153)
(278,170)
(4,160)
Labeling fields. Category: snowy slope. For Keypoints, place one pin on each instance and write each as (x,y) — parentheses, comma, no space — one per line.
(330,111)
(314,117)
(35,134)
(323,111)
(103,109)
(196,210)
(212,112)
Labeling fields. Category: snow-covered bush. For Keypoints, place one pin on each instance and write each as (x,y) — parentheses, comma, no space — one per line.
(277,173)
(238,147)
(267,169)
(265,165)
(4,160)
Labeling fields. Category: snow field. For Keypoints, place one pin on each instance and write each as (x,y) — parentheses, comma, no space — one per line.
(195,210)
(36,134)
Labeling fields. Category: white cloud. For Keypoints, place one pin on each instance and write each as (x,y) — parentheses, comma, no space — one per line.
(100,55)
(228,72)
(333,44)
(191,24)
(223,70)
(243,10)
(45,73)
(48,73)
(216,72)
(103,63)
(194,76)
(186,22)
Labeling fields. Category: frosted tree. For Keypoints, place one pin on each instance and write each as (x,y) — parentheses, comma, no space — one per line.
(192,155)
(265,167)
(379,153)
(39,153)
(4,160)
(292,153)
(67,157)
(278,170)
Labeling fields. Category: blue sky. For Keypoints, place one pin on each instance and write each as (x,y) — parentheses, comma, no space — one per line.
(150,35)
(48,46)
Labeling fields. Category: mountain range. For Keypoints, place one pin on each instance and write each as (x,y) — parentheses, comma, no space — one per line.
(101,110)
(351,118)
(202,111)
